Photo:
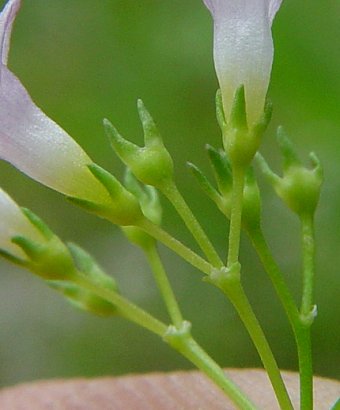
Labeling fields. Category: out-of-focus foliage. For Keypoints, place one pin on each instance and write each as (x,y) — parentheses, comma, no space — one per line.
(83,60)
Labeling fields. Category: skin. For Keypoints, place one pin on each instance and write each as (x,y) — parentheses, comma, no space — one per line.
(166,391)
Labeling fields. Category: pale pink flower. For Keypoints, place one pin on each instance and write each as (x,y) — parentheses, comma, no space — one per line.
(33,142)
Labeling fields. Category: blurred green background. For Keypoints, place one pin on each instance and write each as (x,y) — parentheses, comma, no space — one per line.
(83,60)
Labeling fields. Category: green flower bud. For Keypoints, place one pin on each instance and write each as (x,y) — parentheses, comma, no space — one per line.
(83,298)
(151,164)
(50,258)
(299,187)
(87,265)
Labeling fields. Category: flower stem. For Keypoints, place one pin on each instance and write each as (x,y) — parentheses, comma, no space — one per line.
(174,196)
(305,367)
(307,312)
(237,296)
(300,327)
(196,355)
(232,287)
(236,216)
(189,349)
(275,275)
(124,306)
(187,254)
(308,249)
(164,285)
(181,340)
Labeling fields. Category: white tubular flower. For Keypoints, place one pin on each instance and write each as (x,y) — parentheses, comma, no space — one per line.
(13,222)
(243,50)
(34,143)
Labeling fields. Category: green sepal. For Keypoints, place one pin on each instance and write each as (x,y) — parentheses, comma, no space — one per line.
(316,165)
(38,223)
(147,196)
(222,169)
(241,140)
(261,126)
(83,299)
(238,115)
(151,133)
(11,258)
(87,265)
(111,184)
(290,158)
(31,248)
(251,214)
(220,112)
(124,148)
(49,260)
(206,186)
(151,207)
(88,206)
(271,177)
(124,208)
(151,164)
(132,185)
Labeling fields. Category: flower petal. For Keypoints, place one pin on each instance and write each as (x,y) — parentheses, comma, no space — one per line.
(13,222)
(274,6)
(37,146)
(243,50)
(33,142)
(7,18)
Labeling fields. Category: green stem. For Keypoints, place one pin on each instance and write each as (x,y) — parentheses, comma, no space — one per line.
(125,307)
(164,286)
(196,355)
(191,351)
(235,216)
(237,296)
(187,254)
(174,196)
(232,287)
(307,315)
(305,367)
(308,249)
(299,326)
(275,275)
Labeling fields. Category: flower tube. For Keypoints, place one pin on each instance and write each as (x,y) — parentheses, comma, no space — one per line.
(34,143)
(243,50)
